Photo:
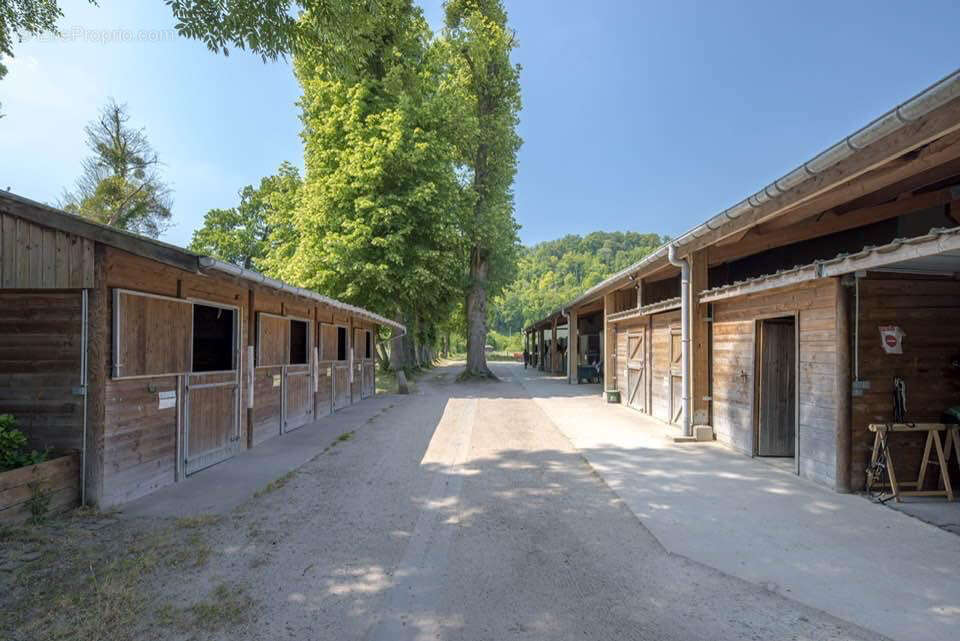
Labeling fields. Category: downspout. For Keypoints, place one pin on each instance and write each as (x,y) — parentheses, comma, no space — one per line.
(84,346)
(684,266)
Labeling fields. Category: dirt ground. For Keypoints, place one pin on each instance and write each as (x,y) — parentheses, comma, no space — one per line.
(463,513)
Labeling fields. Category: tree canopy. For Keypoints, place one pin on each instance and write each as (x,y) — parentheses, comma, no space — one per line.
(552,273)
(478,44)
(120,184)
(242,235)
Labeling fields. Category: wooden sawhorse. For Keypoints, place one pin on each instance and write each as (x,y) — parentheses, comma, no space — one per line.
(933,430)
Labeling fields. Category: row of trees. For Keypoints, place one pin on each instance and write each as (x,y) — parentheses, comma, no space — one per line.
(406,205)
(552,273)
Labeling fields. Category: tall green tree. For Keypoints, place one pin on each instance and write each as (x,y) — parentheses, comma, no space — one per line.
(376,222)
(487,85)
(242,235)
(120,184)
(551,273)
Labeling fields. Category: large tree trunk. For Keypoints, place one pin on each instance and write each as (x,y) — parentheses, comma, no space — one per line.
(477,318)
(403,354)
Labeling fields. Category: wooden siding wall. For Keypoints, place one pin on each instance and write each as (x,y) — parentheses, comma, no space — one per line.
(40,366)
(36,257)
(927,312)
(139,440)
(140,443)
(660,398)
(133,443)
(734,370)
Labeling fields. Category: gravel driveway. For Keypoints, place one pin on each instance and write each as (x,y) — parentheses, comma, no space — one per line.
(462,513)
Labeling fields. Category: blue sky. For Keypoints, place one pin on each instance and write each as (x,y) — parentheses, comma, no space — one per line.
(644,116)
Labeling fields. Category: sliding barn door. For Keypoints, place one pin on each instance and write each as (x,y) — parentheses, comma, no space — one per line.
(676,375)
(636,370)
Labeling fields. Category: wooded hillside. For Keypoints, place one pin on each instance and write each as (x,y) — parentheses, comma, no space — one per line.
(551,273)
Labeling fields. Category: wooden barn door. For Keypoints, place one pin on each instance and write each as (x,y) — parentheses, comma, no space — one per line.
(356,384)
(620,365)
(211,411)
(368,350)
(341,370)
(676,375)
(327,338)
(776,393)
(297,379)
(212,426)
(272,342)
(636,370)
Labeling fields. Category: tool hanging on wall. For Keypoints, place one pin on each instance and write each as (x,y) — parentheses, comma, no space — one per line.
(899,400)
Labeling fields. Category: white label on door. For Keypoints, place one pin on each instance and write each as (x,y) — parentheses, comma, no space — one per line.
(167,399)
(276,380)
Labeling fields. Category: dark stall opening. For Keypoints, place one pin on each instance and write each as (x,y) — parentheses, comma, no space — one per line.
(341,343)
(213,338)
(298,342)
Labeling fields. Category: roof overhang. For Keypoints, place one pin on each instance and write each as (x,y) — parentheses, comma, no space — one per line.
(167,254)
(931,114)
(936,253)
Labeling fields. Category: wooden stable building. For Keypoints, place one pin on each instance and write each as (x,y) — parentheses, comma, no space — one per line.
(779,326)
(156,362)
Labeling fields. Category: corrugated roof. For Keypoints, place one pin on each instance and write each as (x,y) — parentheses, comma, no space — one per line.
(898,252)
(185,259)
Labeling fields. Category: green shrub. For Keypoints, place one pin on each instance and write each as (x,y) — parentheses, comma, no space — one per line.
(13,446)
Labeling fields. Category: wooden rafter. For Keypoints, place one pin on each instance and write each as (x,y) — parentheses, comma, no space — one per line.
(831,223)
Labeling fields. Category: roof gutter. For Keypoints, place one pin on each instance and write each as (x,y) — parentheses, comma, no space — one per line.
(903,114)
(256,277)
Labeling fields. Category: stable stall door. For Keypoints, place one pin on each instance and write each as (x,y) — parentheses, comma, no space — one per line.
(212,417)
(776,387)
(636,371)
(676,375)
(297,378)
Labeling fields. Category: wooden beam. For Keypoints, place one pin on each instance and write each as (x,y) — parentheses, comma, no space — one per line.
(830,223)
(699,339)
(609,346)
(842,391)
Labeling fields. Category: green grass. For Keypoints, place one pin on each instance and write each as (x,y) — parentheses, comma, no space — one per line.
(226,606)
(491,357)
(275,484)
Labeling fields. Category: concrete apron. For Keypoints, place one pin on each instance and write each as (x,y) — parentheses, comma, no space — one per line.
(227,485)
(841,554)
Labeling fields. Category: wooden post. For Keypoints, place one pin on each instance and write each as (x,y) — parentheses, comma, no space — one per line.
(842,394)
(609,346)
(699,340)
(251,344)
(98,366)
(553,346)
(573,346)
